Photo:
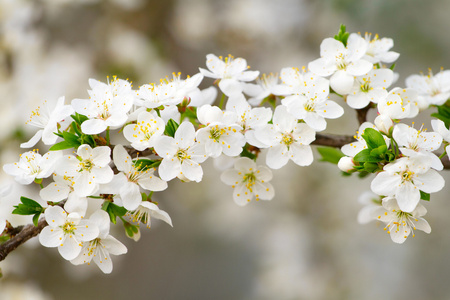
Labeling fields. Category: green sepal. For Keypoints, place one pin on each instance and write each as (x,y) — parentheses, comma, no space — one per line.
(342,35)
(424,196)
(392,67)
(330,154)
(171,128)
(113,210)
(373,138)
(130,229)
(246,153)
(190,113)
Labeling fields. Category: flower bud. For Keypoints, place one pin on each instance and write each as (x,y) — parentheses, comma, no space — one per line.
(384,124)
(346,164)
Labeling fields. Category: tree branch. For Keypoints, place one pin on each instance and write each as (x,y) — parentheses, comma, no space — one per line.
(24,235)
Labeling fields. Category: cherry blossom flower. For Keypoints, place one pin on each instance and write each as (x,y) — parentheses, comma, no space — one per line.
(287,140)
(47,119)
(147,129)
(181,154)
(405,178)
(370,88)
(412,142)
(146,211)
(62,188)
(221,134)
(249,181)
(342,62)
(130,179)
(372,204)
(265,86)
(309,99)
(435,89)
(66,231)
(400,224)
(100,248)
(32,165)
(250,119)
(400,104)
(231,72)
(107,107)
(378,50)
(89,168)
(167,92)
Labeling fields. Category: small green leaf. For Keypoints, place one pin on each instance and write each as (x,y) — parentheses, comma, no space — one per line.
(373,138)
(145,164)
(171,128)
(370,167)
(79,118)
(330,154)
(36,219)
(342,35)
(27,207)
(424,196)
(246,153)
(113,210)
(61,146)
(380,151)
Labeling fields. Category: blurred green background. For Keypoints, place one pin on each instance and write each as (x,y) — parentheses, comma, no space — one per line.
(306,242)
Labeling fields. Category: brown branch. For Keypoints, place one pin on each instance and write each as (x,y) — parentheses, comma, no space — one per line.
(21,234)
(332,140)
(24,235)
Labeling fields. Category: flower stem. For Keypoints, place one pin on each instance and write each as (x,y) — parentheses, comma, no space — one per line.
(221,101)
(107,136)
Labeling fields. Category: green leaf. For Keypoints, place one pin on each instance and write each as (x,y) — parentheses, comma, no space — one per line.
(171,128)
(373,138)
(330,154)
(113,210)
(79,118)
(364,156)
(36,219)
(61,146)
(342,35)
(130,229)
(424,196)
(380,151)
(145,164)
(27,207)
(370,167)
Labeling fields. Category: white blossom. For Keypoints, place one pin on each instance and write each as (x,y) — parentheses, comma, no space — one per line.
(32,165)
(146,211)
(107,107)
(100,249)
(435,89)
(46,118)
(342,62)
(89,168)
(231,72)
(400,224)
(378,50)
(249,181)
(147,129)
(66,231)
(181,154)
(287,139)
(131,178)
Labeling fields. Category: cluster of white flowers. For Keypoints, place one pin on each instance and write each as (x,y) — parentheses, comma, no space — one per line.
(175,127)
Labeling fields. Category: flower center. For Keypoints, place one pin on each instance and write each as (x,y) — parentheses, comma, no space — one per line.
(407,175)
(86,165)
(365,86)
(215,133)
(182,155)
(68,228)
(249,180)
(287,139)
